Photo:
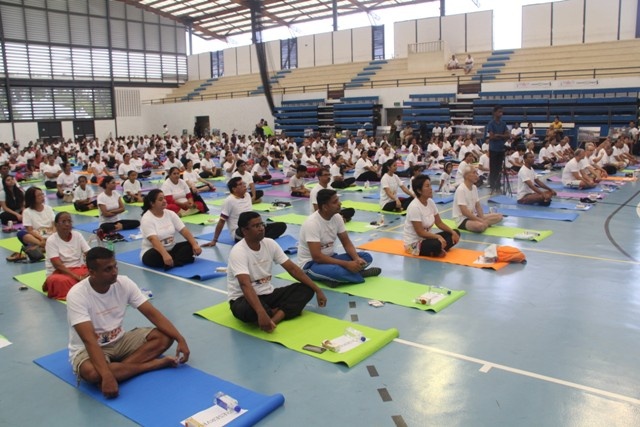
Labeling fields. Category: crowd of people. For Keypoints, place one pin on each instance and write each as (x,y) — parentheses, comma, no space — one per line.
(86,276)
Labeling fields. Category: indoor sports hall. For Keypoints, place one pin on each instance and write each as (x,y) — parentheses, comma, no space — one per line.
(549,342)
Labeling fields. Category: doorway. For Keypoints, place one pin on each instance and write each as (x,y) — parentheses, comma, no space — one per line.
(48,131)
(202,126)
(84,129)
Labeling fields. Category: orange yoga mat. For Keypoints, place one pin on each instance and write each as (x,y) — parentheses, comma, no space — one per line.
(454,256)
(620,178)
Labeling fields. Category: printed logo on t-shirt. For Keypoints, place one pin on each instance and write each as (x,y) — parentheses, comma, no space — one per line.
(108,336)
(262,281)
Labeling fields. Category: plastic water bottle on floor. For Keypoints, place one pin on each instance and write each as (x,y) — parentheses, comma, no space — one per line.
(226,402)
(354,334)
(367,184)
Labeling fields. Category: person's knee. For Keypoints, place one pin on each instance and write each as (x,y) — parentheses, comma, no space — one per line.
(160,340)
(366,256)
(88,372)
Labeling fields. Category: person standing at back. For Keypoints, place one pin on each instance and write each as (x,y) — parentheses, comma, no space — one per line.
(498,135)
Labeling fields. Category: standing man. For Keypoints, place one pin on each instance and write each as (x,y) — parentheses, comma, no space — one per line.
(252,297)
(100,350)
(498,135)
(316,255)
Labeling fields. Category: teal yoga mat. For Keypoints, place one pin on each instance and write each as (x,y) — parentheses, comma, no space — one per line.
(386,289)
(308,328)
(166,397)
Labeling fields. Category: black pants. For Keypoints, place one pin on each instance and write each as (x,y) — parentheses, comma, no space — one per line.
(290,299)
(346,182)
(127,224)
(145,174)
(259,194)
(6,217)
(272,230)
(181,253)
(391,206)
(347,213)
(433,247)
(84,207)
(368,176)
(51,184)
(496,161)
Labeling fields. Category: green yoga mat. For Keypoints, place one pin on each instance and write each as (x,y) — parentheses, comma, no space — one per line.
(309,328)
(12,243)
(362,188)
(297,219)
(34,280)
(258,207)
(369,207)
(394,291)
(201,219)
(502,231)
(70,209)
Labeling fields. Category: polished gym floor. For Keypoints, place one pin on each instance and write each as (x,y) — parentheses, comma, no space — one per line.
(553,342)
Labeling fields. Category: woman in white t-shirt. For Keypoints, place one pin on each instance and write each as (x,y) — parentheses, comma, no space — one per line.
(389,185)
(422,214)
(37,219)
(159,227)
(66,181)
(196,183)
(179,197)
(111,206)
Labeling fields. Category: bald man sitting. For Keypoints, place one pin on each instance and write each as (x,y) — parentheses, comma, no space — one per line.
(467,210)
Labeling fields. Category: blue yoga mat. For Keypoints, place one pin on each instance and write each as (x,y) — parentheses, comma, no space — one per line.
(90,226)
(167,396)
(539,214)
(506,200)
(201,269)
(289,244)
(438,199)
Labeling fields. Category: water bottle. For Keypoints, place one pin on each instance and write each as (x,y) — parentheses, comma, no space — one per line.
(109,245)
(367,184)
(380,219)
(10,225)
(355,334)
(226,402)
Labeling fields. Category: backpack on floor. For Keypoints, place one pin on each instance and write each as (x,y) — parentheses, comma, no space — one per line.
(510,254)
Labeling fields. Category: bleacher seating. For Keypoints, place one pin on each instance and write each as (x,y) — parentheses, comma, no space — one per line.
(428,108)
(295,117)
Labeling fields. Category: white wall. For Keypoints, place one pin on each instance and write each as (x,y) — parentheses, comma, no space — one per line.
(628,16)
(226,114)
(362,44)
(428,30)
(6,133)
(67,129)
(342,47)
(567,22)
(324,49)
(25,132)
(605,83)
(453,32)
(306,51)
(536,25)
(272,50)
(404,34)
(104,128)
(230,58)
(479,31)
(243,54)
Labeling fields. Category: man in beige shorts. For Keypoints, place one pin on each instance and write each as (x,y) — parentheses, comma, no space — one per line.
(100,350)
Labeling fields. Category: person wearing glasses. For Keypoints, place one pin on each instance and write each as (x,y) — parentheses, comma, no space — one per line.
(252,297)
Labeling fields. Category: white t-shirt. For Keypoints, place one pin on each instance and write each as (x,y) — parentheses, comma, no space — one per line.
(191,178)
(71,253)
(39,220)
(123,169)
(484,162)
(111,202)
(567,173)
(313,196)
(525,174)
(231,209)
(80,194)
(98,169)
(361,164)
(418,212)
(129,187)
(317,229)
(334,170)
(67,182)
(393,183)
(257,264)
(164,228)
(207,165)
(463,167)
(246,177)
(295,182)
(105,311)
(178,191)
(466,197)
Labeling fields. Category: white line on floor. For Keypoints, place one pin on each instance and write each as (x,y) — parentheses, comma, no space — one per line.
(522,372)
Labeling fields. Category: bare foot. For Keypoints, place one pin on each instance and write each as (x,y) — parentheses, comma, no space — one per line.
(118,226)
(163,362)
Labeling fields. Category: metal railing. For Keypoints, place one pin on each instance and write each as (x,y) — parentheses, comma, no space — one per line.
(590,73)
(434,46)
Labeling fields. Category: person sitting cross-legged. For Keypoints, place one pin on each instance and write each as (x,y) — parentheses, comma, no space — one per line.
(467,210)
(100,350)
(252,297)
(531,190)
(316,255)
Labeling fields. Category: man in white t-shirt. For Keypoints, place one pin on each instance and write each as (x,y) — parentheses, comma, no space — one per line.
(531,190)
(252,297)
(324,177)
(100,351)
(467,210)
(316,254)
(236,203)
(572,175)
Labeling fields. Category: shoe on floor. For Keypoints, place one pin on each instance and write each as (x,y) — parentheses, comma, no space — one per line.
(16,256)
(371,272)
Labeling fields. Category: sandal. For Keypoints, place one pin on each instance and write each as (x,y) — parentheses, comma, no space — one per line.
(16,256)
